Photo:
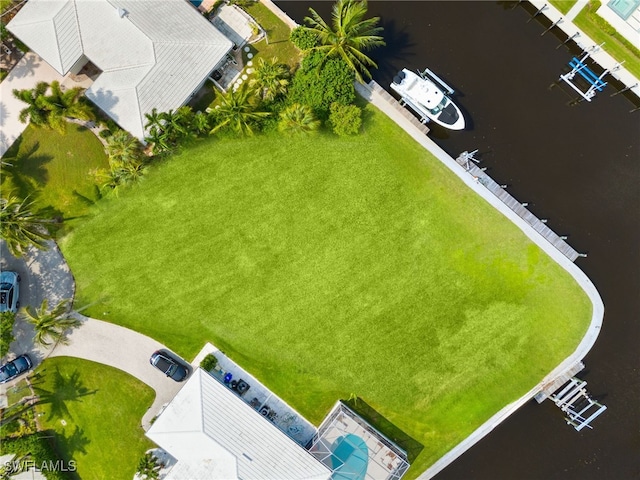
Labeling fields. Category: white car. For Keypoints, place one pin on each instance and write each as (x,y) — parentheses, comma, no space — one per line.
(9,291)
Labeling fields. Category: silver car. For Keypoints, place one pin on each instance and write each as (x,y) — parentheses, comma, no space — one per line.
(9,291)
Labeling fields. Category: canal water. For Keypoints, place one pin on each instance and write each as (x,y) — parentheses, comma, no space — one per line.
(579,167)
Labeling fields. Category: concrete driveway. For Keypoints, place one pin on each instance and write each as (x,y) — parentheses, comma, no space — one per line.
(123,349)
(30,70)
(45,274)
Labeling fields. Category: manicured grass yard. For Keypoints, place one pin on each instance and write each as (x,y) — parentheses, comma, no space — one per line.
(614,44)
(563,5)
(330,266)
(102,408)
(55,169)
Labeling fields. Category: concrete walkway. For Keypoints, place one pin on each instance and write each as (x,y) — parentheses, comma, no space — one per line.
(45,274)
(575,10)
(29,71)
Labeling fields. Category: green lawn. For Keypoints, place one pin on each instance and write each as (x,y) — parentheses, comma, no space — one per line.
(55,169)
(102,408)
(329,266)
(277,43)
(615,44)
(563,5)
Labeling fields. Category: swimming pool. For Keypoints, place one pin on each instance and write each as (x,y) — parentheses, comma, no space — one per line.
(196,3)
(350,458)
(624,8)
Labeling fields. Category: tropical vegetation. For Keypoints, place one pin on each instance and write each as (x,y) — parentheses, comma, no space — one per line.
(239,111)
(270,79)
(297,118)
(348,36)
(318,89)
(350,249)
(7,319)
(53,110)
(51,324)
(21,227)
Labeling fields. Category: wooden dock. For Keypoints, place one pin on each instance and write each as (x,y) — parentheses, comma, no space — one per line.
(373,86)
(550,387)
(481,177)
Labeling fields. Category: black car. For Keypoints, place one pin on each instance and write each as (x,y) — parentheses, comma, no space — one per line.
(169,365)
(15,367)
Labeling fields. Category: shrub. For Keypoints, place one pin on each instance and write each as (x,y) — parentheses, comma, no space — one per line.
(319,88)
(345,119)
(106,133)
(303,38)
(148,467)
(39,448)
(7,320)
(209,362)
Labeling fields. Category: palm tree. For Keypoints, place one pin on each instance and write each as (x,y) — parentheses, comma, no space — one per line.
(53,110)
(69,103)
(271,79)
(35,111)
(21,227)
(298,118)
(120,175)
(122,147)
(348,36)
(51,325)
(238,110)
(200,122)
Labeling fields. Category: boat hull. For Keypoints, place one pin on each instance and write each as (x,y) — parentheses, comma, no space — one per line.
(428,100)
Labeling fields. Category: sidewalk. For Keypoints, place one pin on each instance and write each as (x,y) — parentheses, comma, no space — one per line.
(29,71)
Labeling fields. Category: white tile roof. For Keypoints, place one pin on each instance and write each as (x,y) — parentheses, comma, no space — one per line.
(155,55)
(214,434)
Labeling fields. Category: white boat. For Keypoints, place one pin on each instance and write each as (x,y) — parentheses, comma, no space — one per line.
(428,96)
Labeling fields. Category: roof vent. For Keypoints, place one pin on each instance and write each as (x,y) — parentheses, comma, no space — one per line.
(122,12)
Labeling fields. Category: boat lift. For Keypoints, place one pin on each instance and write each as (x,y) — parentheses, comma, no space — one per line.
(429,75)
(578,66)
(579,408)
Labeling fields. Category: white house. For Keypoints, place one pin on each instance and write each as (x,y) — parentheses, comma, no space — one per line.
(213,434)
(151,53)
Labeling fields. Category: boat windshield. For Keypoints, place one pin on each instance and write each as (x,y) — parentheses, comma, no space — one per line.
(439,107)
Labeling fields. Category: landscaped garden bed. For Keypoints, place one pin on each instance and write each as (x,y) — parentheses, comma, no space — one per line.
(332,266)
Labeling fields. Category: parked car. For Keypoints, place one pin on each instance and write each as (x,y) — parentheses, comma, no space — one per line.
(169,365)
(9,291)
(15,367)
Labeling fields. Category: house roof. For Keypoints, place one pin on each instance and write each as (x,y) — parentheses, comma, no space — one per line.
(214,434)
(152,53)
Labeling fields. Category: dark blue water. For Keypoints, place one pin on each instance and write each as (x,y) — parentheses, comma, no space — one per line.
(578,166)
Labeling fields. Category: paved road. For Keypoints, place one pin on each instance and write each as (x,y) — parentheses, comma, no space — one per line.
(45,274)
(30,70)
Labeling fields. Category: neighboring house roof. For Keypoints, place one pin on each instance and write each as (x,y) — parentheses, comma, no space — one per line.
(215,435)
(152,53)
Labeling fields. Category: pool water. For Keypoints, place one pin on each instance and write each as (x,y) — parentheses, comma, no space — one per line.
(350,458)
(624,8)
(196,3)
